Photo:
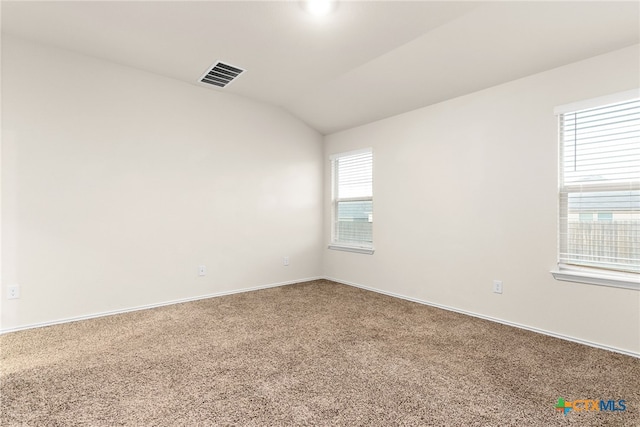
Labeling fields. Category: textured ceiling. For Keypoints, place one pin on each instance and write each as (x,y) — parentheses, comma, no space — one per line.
(366,61)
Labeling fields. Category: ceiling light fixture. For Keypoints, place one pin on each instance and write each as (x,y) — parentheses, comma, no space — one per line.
(319,7)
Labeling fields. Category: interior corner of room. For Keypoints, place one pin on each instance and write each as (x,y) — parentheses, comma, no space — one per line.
(126,187)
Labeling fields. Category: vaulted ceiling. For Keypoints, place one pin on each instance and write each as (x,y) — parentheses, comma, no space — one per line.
(366,61)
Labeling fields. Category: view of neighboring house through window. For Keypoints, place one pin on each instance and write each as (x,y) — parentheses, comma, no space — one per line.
(600,188)
(352,201)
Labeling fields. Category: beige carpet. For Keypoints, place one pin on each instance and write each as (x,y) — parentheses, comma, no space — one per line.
(317,353)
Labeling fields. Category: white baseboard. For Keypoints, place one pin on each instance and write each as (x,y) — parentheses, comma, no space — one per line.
(493,319)
(160,304)
(344,282)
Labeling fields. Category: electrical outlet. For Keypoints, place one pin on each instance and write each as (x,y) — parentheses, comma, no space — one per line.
(202,270)
(13,292)
(497,286)
(285,261)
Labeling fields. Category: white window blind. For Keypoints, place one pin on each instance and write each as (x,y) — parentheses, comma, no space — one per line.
(352,201)
(599,224)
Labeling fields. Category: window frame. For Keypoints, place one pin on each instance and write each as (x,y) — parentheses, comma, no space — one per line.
(334,244)
(584,274)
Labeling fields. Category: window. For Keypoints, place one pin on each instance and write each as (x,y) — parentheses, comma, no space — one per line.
(605,216)
(352,201)
(599,195)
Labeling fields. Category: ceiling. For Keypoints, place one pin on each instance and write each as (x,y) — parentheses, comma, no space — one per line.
(366,61)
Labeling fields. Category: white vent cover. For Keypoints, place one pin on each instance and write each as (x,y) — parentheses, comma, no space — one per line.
(221,74)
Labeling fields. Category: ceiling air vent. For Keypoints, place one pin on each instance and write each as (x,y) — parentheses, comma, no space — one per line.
(221,74)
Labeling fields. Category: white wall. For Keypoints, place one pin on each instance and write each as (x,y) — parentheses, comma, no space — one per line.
(465,192)
(117,184)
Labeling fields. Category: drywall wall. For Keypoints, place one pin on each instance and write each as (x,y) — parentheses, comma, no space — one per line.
(465,193)
(117,184)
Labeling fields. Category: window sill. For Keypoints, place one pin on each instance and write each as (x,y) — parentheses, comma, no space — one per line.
(347,248)
(625,281)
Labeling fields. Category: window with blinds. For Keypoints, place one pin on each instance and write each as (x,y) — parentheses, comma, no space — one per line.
(352,201)
(599,224)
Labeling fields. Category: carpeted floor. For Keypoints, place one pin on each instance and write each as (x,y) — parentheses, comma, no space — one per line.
(316,353)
